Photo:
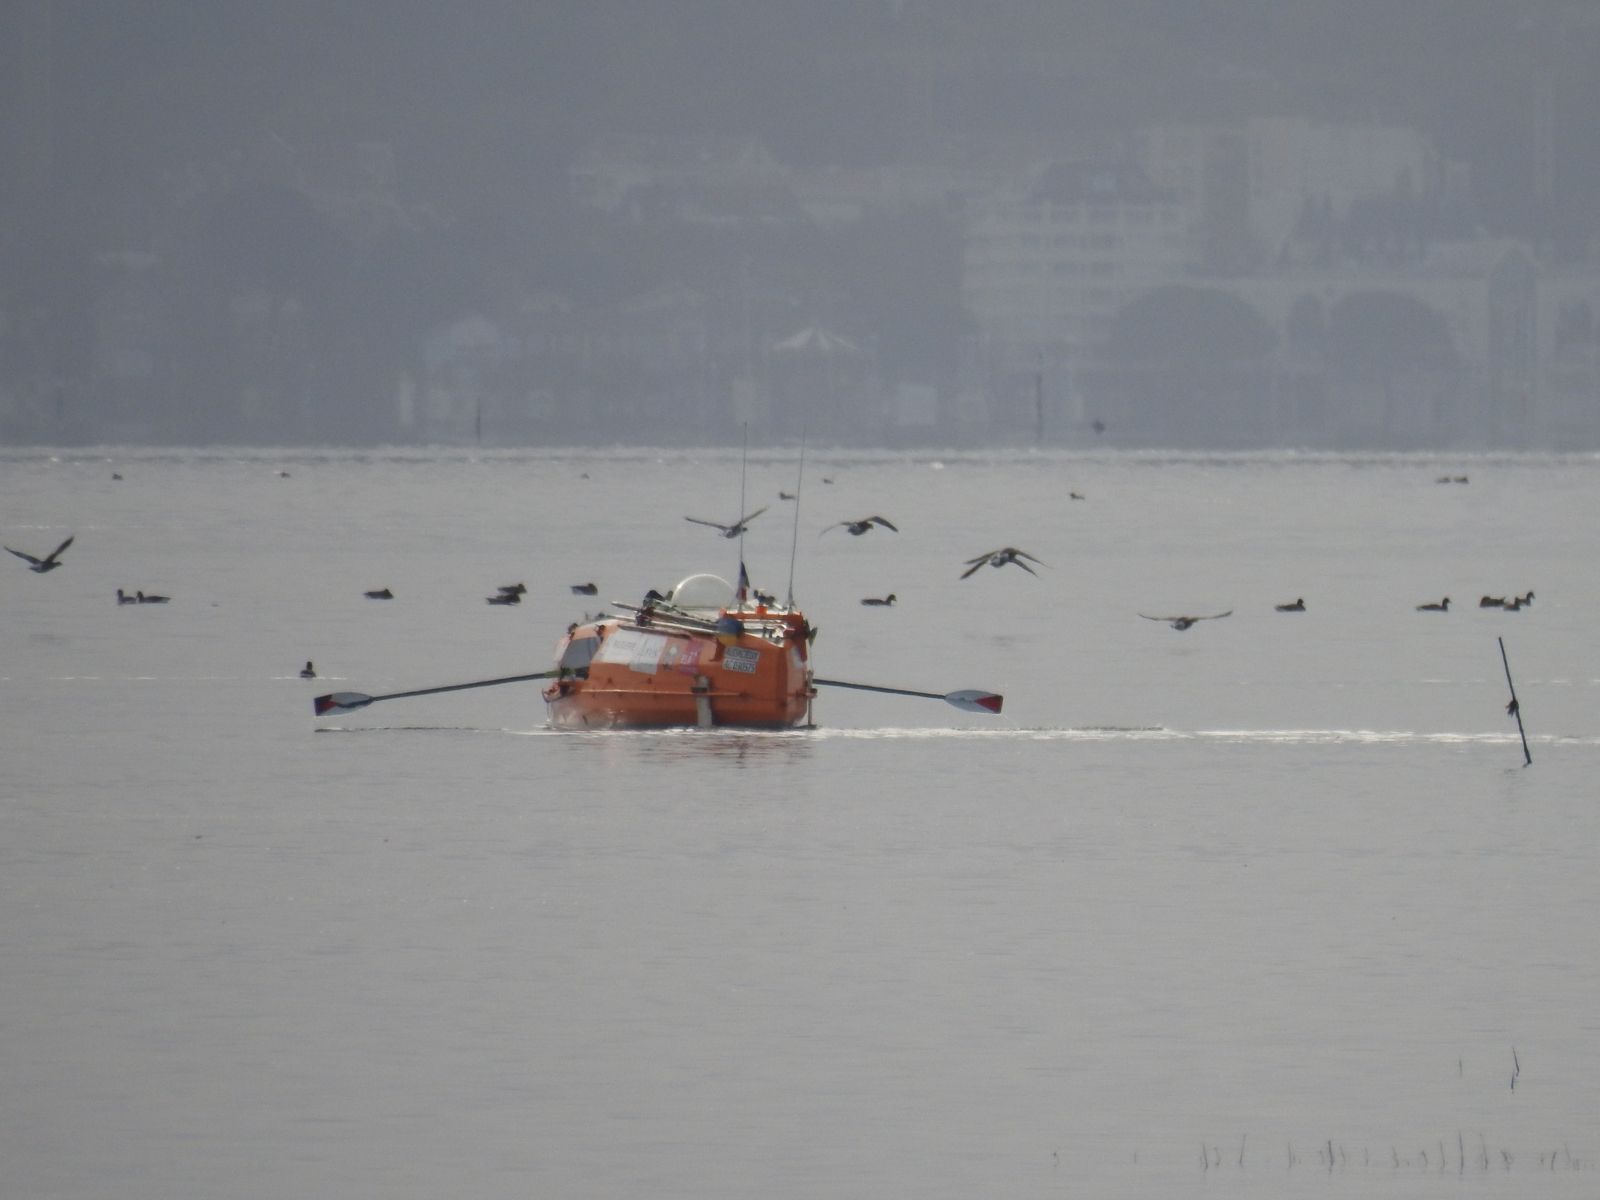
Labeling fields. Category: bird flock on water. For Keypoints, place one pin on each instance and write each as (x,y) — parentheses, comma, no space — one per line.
(510,595)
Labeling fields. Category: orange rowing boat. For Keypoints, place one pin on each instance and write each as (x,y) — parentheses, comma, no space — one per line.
(700,656)
(703,656)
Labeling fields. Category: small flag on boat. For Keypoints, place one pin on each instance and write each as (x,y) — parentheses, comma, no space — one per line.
(744,585)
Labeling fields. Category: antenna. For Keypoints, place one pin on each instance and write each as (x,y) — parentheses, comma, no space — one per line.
(744,457)
(794,540)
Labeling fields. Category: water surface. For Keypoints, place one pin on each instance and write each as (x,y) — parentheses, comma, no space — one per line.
(1270,907)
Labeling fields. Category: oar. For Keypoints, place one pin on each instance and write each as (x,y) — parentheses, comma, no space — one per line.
(1514,708)
(343,702)
(971,700)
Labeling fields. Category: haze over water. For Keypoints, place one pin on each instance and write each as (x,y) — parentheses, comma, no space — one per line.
(1269,907)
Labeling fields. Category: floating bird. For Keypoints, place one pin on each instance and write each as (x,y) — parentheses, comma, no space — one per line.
(1074,495)
(585,589)
(1492,602)
(512,589)
(1517,603)
(885,602)
(1442,606)
(124,598)
(308,671)
(785,495)
(1182,623)
(1524,601)
(505,598)
(734,530)
(380,594)
(999,558)
(48,563)
(857,528)
(1297,606)
(143,599)
(116,477)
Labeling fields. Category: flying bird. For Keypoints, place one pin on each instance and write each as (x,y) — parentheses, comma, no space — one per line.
(999,558)
(857,528)
(1442,606)
(1182,623)
(585,589)
(1297,606)
(734,530)
(48,563)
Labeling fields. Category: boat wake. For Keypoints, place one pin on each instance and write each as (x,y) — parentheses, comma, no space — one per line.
(1082,733)
(1122,733)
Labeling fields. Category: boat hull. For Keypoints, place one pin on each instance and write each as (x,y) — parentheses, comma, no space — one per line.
(629,675)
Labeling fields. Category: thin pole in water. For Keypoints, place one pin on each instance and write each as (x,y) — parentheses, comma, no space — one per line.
(1514,708)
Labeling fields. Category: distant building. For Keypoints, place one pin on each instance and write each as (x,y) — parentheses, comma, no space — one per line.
(1049,263)
(1245,186)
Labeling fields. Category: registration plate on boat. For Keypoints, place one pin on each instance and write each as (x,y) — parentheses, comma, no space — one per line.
(741,659)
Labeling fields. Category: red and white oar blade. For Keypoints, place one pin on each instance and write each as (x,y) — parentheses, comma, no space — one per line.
(975,701)
(340,702)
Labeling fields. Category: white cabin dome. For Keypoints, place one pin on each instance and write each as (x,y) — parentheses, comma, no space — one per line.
(702,591)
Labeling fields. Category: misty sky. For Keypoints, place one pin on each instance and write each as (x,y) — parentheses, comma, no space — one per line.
(486,102)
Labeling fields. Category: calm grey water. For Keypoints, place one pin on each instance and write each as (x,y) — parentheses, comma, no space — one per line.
(1266,908)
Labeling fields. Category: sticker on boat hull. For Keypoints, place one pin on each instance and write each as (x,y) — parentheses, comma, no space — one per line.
(639,649)
(682,655)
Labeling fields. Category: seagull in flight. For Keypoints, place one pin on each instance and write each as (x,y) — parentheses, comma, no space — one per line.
(1182,623)
(857,528)
(48,563)
(734,530)
(999,558)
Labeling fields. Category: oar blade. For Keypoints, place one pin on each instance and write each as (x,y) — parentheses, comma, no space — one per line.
(975,701)
(340,702)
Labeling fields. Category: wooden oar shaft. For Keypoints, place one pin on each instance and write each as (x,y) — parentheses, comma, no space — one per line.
(867,687)
(343,702)
(457,687)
